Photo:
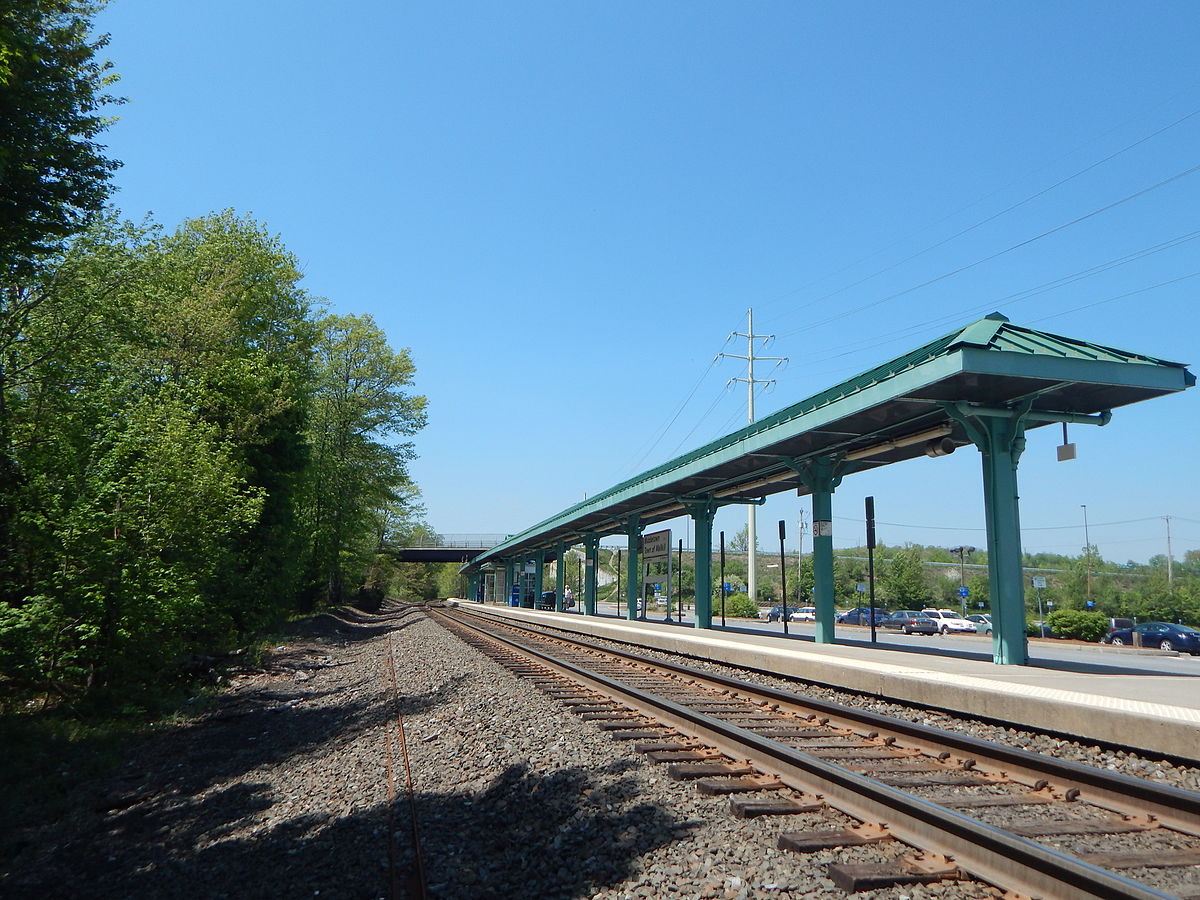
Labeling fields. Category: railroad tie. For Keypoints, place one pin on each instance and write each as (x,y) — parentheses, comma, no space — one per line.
(1154,859)
(652,746)
(677,754)
(920,869)
(1043,828)
(720,787)
(638,734)
(957,801)
(748,808)
(692,771)
(812,841)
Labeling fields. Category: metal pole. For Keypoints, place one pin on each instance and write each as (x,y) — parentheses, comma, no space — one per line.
(1087,549)
(783,576)
(751,510)
(618,580)
(679,582)
(870,504)
(1170,579)
(722,579)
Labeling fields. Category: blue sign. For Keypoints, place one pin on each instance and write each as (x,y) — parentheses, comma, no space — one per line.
(964,591)
(728,587)
(1091,603)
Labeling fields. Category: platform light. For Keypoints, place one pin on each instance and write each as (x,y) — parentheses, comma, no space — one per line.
(1065,451)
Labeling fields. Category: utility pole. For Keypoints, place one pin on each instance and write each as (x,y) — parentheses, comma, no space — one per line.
(1088,550)
(802,527)
(751,381)
(1170,578)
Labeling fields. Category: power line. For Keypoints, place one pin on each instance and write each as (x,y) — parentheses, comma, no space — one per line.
(1013,247)
(1005,211)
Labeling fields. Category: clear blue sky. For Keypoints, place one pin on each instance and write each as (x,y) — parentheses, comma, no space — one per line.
(564,208)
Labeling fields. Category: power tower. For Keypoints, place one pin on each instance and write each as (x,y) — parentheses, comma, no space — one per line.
(750,381)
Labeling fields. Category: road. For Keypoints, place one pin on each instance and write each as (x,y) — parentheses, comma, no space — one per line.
(1041,650)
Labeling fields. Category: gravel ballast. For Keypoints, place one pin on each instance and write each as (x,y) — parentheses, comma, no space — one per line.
(281,789)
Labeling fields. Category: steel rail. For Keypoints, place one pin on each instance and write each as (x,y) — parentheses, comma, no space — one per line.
(984,851)
(1178,809)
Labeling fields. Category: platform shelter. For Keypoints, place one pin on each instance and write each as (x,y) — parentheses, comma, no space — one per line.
(984,385)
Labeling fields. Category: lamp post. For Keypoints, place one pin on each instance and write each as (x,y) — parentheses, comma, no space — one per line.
(1087,549)
(963,552)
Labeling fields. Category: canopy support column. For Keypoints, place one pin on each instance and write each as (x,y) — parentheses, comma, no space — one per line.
(822,475)
(1001,442)
(539,576)
(591,550)
(633,573)
(510,581)
(560,579)
(702,512)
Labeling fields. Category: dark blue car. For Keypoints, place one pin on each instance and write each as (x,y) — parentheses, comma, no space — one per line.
(861,615)
(1158,635)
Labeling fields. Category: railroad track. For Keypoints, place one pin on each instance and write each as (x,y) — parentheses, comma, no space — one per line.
(940,804)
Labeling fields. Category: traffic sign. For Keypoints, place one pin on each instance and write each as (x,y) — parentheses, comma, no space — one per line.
(964,591)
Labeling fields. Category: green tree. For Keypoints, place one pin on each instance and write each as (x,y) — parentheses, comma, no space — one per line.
(154,389)
(53,174)
(902,579)
(359,402)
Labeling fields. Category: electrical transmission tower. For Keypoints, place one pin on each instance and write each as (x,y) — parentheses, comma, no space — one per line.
(751,358)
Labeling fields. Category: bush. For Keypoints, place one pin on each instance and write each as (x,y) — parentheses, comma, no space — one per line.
(1078,624)
(739,606)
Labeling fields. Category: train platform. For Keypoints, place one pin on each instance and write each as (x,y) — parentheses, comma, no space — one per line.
(1122,702)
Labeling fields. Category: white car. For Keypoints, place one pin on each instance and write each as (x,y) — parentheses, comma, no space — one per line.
(948,620)
(804,614)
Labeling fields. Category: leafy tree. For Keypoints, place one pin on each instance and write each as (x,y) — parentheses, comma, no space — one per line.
(53,174)
(740,542)
(359,401)
(902,579)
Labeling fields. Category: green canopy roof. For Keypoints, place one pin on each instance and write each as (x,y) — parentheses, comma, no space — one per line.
(881,416)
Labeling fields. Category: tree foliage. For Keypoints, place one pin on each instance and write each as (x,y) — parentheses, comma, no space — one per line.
(174,412)
(53,173)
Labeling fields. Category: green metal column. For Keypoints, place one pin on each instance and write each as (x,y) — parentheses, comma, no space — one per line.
(560,579)
(822,477)
(509,581)
(591,545)
(1004,442)
(472,587)
(539,576)
(633,571)
(702,512)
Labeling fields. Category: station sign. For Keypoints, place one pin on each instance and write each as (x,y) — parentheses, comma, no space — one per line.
(656,544)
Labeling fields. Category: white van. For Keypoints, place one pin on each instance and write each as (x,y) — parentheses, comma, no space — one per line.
(948,620)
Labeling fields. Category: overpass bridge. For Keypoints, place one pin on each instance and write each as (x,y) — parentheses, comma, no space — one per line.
(984,384)
(461,548)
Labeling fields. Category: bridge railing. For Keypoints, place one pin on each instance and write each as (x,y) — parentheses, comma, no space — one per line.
(463,541)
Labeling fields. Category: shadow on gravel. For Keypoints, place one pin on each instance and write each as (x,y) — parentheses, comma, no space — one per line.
(527,835)
(171,801)
(561,835)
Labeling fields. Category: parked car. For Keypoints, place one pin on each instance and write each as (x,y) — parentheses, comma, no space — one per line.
(983,622)
(776,613)
(1160,635)
(805,614)
(948,620)
(861,615)
(1117,624)
(546,601)
(910,621)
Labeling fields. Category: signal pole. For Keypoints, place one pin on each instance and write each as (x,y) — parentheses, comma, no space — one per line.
(751,381)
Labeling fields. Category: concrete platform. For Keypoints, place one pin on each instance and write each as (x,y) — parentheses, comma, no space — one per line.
(1116,703)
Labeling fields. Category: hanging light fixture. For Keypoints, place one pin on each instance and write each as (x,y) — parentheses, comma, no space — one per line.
(1065,451)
